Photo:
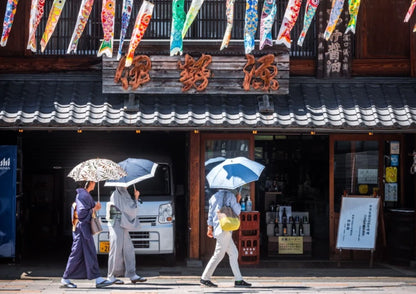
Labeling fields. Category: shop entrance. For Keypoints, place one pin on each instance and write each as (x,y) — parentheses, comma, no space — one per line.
(366,165)
(292,196)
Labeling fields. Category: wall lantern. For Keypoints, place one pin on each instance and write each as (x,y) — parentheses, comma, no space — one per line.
(79,131)
(138,131)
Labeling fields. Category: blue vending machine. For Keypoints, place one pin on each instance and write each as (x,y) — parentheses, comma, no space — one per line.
(8,162)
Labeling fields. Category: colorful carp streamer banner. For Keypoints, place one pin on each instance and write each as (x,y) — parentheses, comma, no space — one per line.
(410,11)
(230,16)
(289,20)
(268,14)
(181,23)
(125,20)
(190,16)
(83,15)
(142,21)
(11,8)
(53,18)
(310,11)
(36,13)
(178,20)
(108,12)
(353,7)
(250,25)
(336,10)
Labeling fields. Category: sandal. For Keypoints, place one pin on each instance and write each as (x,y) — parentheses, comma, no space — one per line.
(118,282)
(68,285)
(138,279)
(103,284)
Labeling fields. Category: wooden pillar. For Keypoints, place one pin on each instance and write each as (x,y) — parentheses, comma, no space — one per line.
(334,55)
(331,199)
(413,49)
(194,195)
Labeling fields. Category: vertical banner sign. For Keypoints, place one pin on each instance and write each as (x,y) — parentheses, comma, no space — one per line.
(8,159)
(357,227)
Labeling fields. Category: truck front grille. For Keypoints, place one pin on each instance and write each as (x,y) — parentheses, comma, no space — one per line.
(141,244)
(147,219)
(139,235)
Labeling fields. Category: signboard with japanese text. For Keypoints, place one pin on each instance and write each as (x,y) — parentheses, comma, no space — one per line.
(290,245)
(217,75)
(357,227)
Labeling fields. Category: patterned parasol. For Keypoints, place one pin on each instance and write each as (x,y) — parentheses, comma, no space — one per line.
(97,170)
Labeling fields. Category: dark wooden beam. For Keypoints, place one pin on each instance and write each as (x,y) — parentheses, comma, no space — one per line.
(43,64)
(412,52)
(302,67)
(381,67)
(298,67)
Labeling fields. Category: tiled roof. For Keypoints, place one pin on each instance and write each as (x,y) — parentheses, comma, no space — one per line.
(72,101)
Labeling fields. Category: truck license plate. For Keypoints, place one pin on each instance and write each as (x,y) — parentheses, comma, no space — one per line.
(104,246)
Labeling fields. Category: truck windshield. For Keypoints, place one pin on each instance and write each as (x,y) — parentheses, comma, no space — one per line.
(159,185)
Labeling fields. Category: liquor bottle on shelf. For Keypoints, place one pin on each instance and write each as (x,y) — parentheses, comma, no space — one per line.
(276,225)
(284,232)
(284,216)
(301,231)
(294,233)
(284,222)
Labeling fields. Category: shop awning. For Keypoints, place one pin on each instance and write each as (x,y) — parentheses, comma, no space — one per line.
(71,101)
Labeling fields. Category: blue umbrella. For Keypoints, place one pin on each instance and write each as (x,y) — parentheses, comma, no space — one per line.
(137,170)
(210,163)
(234,172)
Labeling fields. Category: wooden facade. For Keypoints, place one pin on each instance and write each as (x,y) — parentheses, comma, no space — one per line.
(334,214)
(226,76)
(383,46)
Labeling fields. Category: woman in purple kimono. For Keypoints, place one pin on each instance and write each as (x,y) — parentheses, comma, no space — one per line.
(82,262)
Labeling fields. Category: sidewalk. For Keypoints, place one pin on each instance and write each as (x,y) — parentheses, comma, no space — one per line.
(281,277)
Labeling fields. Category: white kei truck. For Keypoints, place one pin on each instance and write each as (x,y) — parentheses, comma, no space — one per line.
(156,214)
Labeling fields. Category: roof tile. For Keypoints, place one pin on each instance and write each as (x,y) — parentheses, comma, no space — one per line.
(45,101)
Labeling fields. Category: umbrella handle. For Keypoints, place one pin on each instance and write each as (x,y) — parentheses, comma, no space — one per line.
(98,183)
(140,200)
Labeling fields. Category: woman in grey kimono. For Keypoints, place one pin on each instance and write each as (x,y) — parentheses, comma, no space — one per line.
(82,262)
(122,218)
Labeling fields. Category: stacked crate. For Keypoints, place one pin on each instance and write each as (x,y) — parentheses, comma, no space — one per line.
(248,238)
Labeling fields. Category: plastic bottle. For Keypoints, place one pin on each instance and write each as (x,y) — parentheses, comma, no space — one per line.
(249,204)
(243,205)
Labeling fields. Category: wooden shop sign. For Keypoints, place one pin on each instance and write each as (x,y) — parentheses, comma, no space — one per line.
(157,74)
